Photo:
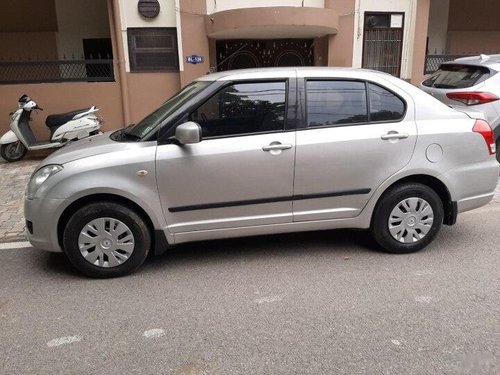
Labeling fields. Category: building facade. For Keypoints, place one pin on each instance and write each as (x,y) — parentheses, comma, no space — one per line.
(128,56)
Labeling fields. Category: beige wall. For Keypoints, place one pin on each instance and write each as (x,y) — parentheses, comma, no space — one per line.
(194,39)
(78,20)
(340,45)
(474,26)
(419,44)
(148,90)
(321,51)
(438,26)
(479,15)
(214,6)
(28,30)
(473,42)
(63,97)
(41,46)
(28,15)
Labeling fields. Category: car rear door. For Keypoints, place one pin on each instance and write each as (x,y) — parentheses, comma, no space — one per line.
(356,135)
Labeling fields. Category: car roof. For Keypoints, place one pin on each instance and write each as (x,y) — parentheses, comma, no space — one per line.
(258,73)
(483,60)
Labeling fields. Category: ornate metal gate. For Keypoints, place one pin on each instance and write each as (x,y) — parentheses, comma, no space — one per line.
(240,54)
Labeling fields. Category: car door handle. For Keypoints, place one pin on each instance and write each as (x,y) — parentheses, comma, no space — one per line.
(394,135)
(277,146)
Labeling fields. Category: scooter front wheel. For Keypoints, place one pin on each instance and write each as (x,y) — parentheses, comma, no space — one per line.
(13,151)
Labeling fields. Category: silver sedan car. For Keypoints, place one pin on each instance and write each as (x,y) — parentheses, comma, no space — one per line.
(264,151)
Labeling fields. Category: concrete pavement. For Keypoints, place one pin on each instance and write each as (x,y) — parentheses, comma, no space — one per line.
(313,303)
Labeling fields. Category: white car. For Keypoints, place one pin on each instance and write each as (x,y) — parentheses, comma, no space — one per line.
(471,82)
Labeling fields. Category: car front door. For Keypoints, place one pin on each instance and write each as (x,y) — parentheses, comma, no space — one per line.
(357,134)
(241,173)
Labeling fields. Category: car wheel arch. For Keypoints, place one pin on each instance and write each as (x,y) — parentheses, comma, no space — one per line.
(85,200)
(435,184)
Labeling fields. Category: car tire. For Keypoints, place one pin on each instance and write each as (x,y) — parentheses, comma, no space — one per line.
(407,218)
(105,240)
(13,151)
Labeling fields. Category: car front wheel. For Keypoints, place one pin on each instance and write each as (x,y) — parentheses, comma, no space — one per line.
(407,218)
(106,240)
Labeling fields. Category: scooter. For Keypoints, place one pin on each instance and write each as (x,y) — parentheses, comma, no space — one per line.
(64,127)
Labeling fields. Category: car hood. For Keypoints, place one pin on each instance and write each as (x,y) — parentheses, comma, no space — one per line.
(91,146)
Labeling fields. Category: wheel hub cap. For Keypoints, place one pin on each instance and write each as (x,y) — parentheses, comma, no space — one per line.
(411,220)
(106,242)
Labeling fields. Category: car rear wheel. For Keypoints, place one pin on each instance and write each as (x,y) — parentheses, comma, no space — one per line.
(407,218)
(106,240)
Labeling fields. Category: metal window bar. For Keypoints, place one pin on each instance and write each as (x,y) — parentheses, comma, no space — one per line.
(432,62)
(382,50)
(99,70)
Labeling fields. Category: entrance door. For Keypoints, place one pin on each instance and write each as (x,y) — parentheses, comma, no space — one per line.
(383,42)
(242,54)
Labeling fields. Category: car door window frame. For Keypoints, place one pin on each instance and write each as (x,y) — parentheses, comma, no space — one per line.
(285,81)
(302,92)
(290,119)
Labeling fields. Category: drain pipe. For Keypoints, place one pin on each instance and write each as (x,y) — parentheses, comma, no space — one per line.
(120,59)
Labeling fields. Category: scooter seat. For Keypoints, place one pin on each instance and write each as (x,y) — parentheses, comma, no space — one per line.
(58,119)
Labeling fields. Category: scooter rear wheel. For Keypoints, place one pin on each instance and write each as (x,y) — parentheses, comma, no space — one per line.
(13,151)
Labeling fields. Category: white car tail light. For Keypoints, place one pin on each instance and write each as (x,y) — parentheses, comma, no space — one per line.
(473,98)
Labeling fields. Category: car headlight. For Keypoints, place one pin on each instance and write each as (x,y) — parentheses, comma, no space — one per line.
(39,177)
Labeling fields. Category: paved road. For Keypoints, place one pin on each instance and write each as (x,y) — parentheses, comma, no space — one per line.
(307,303)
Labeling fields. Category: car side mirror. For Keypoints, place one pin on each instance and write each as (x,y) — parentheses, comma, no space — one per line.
(188,133)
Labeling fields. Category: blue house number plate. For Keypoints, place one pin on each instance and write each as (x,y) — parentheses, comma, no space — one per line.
(194,59)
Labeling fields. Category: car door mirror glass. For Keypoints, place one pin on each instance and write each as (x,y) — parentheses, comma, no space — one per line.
(187,133)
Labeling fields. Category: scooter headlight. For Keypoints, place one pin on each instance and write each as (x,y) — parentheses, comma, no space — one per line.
(39,177)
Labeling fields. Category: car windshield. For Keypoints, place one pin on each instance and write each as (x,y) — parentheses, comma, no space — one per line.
(151,121)
(454,76)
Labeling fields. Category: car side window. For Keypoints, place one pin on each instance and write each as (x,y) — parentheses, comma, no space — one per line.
(384,105)
(336,102)
(241,108)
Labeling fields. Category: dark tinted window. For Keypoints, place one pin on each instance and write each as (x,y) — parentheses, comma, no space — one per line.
(243,108)
(384,105)
(336,103)
(453,76)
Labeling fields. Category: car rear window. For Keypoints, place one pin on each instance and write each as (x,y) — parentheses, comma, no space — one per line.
(455,76)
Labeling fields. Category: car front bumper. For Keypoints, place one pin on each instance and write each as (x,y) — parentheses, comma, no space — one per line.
(42,216)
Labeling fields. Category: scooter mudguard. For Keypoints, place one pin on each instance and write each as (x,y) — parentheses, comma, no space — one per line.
(8,137)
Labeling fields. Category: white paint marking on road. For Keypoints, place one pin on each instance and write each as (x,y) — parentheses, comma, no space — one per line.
(268,299)
(155,332)
(14,245)
(396,342)
(423,273)
(423,299)
(63,341)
